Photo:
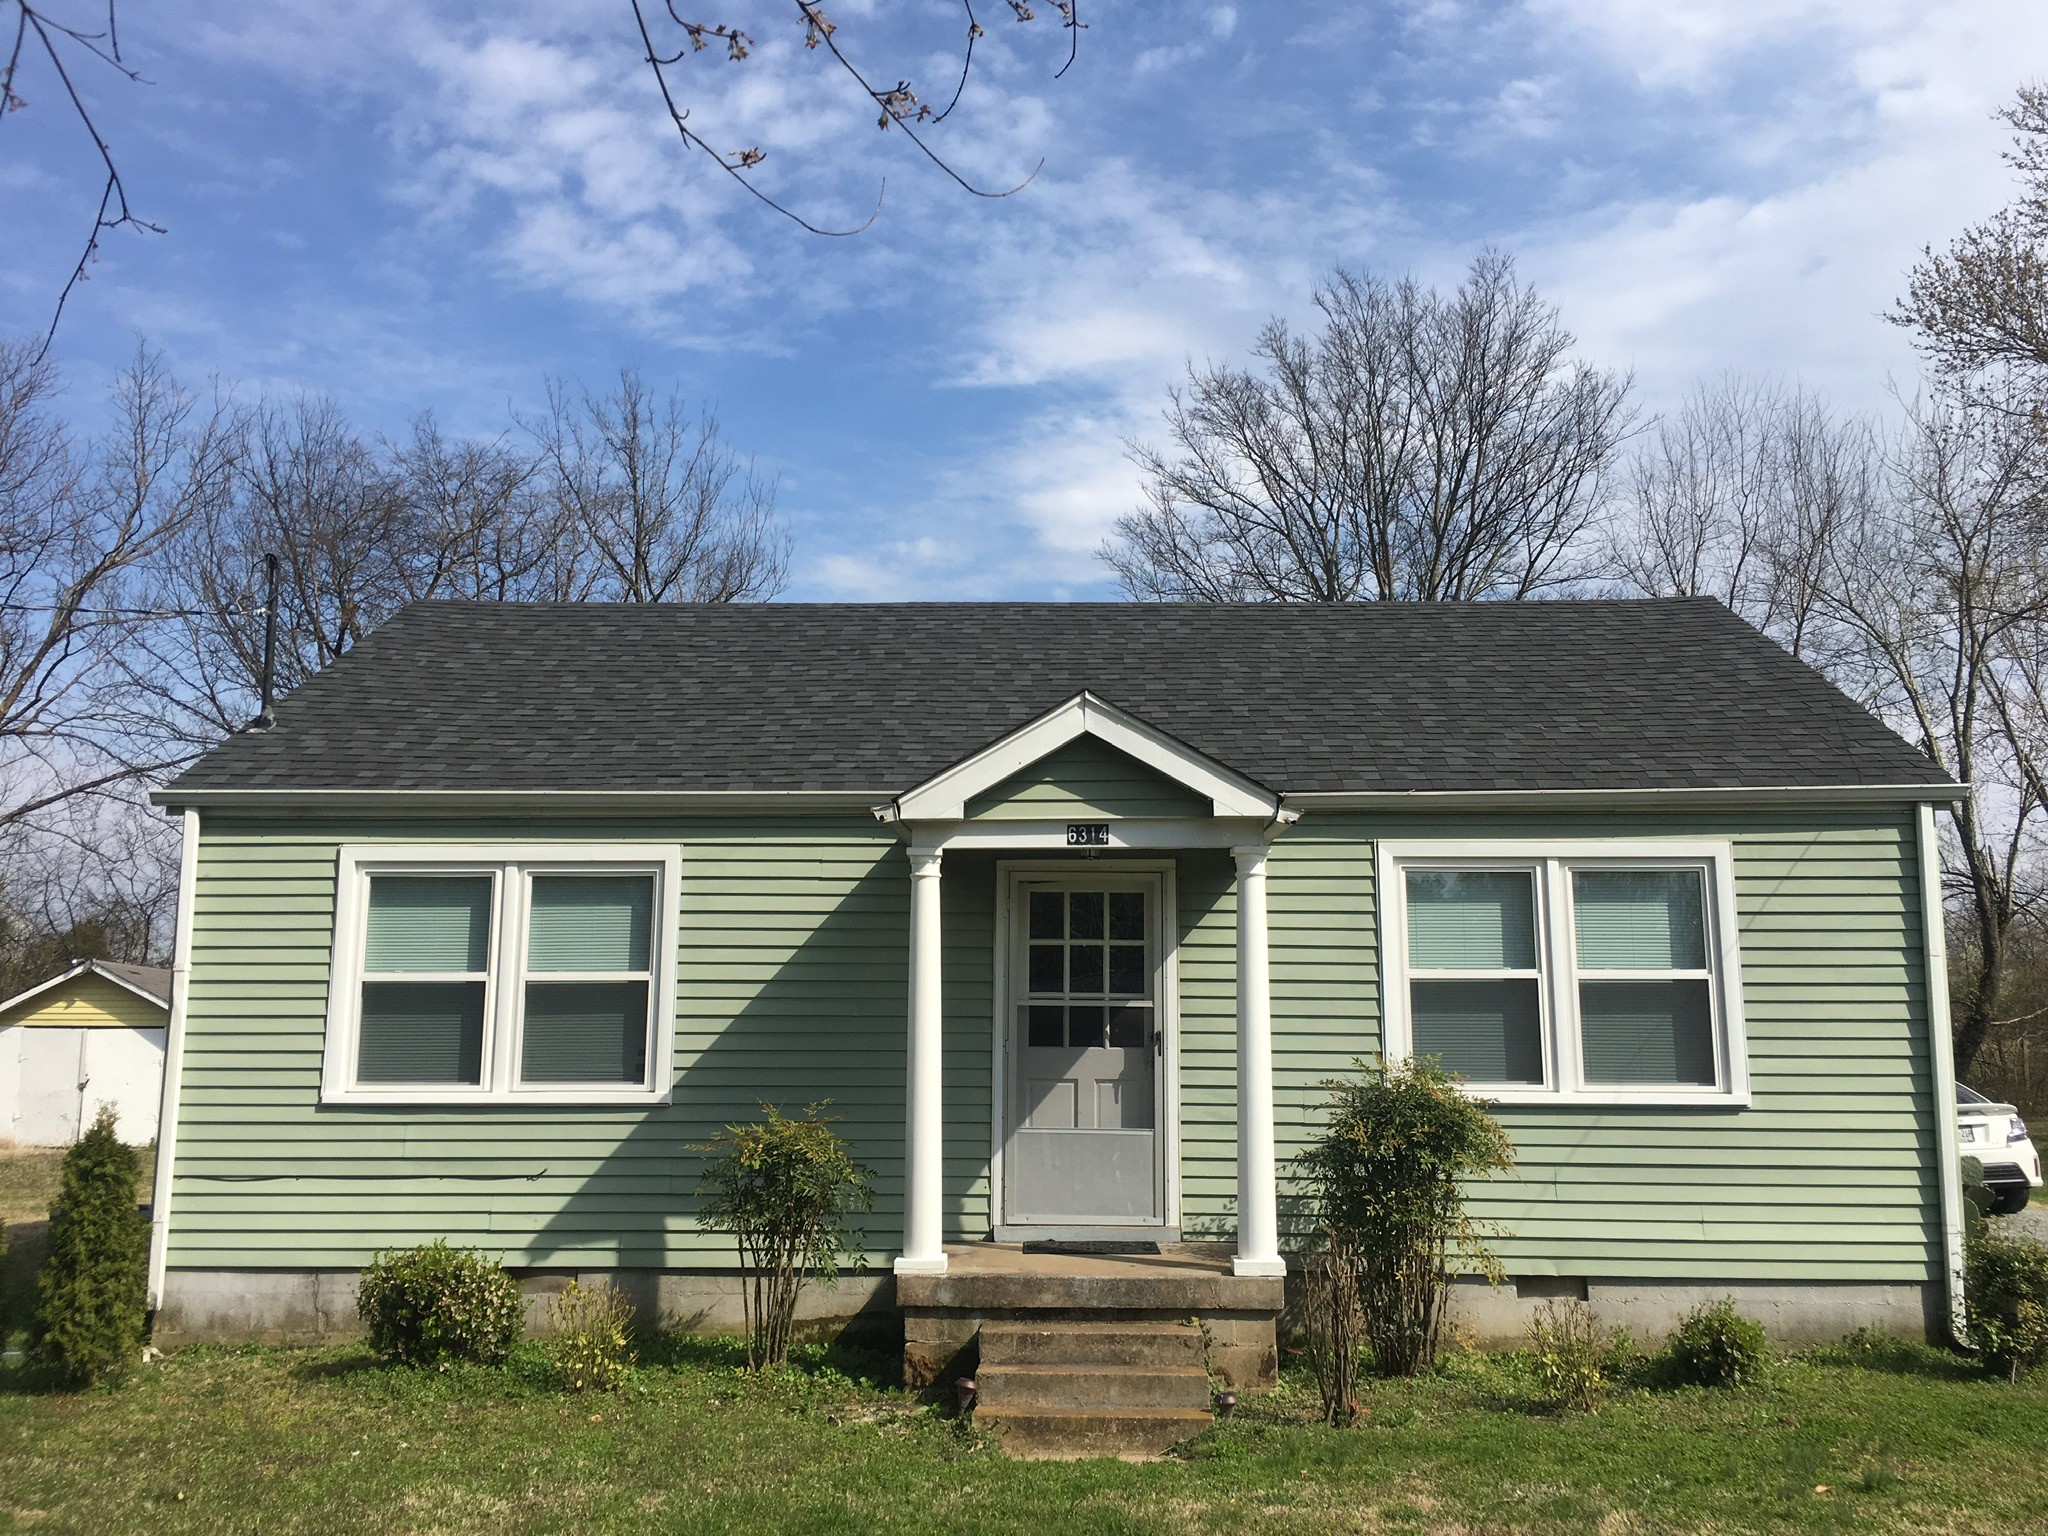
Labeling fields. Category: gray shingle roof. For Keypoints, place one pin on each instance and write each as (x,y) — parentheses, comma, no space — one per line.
(877,697)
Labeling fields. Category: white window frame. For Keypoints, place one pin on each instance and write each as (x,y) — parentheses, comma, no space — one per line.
(512,867)
(1553,862)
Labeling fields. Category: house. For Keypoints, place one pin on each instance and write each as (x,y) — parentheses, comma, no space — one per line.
(90,1036)
(1069,911)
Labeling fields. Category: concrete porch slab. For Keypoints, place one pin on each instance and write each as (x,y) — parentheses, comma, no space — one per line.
(1000,1283)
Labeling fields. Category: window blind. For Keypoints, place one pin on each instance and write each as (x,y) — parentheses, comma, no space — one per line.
(1485,1031)
(590,923)
(428,923)
(1639,919)
(1471,919)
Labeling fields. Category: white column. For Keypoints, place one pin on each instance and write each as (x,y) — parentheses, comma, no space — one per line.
(1258,1219)
(924,1250)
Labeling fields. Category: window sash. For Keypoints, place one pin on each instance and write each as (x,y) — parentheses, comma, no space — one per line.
(512,869)
(531,977)
(1559,973)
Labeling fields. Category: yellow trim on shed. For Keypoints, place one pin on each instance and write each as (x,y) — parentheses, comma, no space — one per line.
(89,1001)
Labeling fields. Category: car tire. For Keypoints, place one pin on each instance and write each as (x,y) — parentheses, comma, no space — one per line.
(2009,1201)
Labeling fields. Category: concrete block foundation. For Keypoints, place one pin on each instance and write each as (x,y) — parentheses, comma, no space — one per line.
(1794,1312)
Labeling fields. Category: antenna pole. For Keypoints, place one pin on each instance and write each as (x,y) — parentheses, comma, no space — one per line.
(265,717)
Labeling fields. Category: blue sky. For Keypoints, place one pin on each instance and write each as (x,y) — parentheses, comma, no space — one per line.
(432,205)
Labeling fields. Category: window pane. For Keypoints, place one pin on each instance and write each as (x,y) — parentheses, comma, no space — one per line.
(1086,914)
(421,1032)
(1048,915)
(1048,968)
(590,923)
(428,923)
(1639,919)
(1472,919)
(1085,1026)
(1127,914)
(1486,1031)
(1084,968)
(1127,968)
(1127,1026)
(584,1032)
(1647,1032)
(1046,1024)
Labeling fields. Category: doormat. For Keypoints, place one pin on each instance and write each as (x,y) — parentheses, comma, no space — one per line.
(1090,1245)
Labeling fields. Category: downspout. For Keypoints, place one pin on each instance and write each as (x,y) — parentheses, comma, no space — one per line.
(174,1062)
(1941,1045)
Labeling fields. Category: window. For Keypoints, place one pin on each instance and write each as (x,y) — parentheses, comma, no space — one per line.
(1537,971)
(528,974)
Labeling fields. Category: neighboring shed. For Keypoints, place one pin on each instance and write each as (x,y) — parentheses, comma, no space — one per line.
(91,1035)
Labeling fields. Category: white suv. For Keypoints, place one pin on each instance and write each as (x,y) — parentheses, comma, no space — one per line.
(1996,1136)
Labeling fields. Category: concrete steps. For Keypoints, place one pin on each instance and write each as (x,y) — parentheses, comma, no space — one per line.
(1064,1390)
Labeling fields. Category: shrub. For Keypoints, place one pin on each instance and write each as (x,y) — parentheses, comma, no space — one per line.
(91,1302)
(1386,1181)
(784,1189)
(1716,1346)
(1335,1329)
(1571,1356)
(2006,1286)
(436,1305)
(592,1344)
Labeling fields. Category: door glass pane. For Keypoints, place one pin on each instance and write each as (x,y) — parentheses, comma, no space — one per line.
(1085,914)
(421,1032)
(590,923)
(1127,968)
(1084,968)
(584,1032)
(1127,1026)
(1045,1024)
(1485,1031)
(1639,919)
(1086,1025)
(1472,919)
(1127,914)
(1048,915)
(1048,968)
(428,923)
(1659,1032)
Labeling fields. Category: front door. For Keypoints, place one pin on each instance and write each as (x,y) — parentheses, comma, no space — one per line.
(1085,1015)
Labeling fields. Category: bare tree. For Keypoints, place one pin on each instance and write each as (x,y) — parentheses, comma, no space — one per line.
(898,103)
(1738,495)
(1983,301)
(76,527)
(63,47)
(666,510)
(1421,445)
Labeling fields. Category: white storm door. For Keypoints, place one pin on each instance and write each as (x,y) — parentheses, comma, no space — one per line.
(1085,978)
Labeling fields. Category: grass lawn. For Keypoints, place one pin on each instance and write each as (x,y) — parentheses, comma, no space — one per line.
(1896,1439)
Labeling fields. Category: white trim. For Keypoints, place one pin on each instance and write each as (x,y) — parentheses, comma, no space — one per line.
(1010,873)
(1551,860)
(503,800)
(1941,1047)
(174,1061)
(1139,835)
(924,1096)
(944,796)
(1258,1179)
(80,969)
(1672,798)
(509,865)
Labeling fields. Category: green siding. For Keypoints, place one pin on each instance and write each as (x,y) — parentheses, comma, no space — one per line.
(791,987)
(1088,778)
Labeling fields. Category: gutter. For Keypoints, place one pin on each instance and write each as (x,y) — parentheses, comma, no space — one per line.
(174,1063)
(1948,1156)
(1682,796)
(509,800)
